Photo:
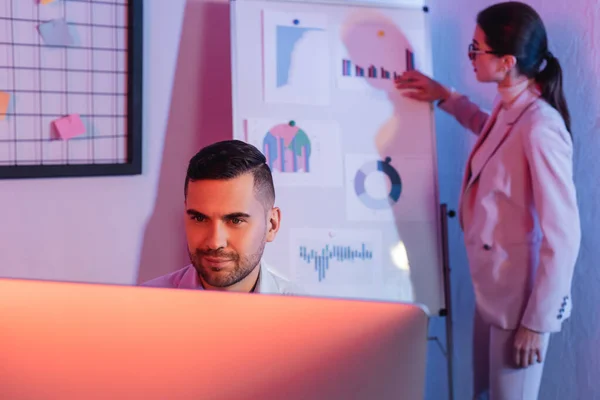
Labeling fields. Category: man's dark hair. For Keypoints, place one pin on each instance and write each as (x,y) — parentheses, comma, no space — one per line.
(229,159)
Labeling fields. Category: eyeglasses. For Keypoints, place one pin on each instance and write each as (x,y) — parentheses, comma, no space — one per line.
(473,52)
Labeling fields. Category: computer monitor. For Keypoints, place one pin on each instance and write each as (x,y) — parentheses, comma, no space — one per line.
(85,341)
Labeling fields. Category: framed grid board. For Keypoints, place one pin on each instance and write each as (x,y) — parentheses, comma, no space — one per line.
(70,88)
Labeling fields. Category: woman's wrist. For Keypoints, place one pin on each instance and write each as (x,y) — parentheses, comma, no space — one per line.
(445,95)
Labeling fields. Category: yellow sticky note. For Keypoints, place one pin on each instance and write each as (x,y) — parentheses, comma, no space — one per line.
(4,102)
(46,1)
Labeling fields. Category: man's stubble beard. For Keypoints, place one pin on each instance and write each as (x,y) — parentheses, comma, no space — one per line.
(244,265)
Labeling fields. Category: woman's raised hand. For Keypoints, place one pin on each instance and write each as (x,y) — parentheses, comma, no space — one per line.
(421,87)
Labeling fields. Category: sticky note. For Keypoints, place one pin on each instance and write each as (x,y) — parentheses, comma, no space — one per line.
(69,127)
(56,32)
(4,103)
(90,127)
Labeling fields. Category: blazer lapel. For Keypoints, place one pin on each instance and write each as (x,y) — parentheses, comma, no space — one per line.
(480,138)
(467,171)
(485,152)
(512,115)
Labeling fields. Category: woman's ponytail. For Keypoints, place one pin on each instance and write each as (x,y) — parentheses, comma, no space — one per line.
(550,80)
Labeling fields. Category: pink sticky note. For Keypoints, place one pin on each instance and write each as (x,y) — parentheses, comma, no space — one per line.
(68,127)
(4,104)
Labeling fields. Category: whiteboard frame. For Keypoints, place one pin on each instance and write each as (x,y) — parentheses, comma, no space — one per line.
(395,4)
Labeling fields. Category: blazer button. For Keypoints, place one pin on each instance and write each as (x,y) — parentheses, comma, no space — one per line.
(487,247)
(559,316)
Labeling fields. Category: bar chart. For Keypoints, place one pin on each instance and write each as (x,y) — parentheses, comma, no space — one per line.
(373,71)
(342,257)
(321,258)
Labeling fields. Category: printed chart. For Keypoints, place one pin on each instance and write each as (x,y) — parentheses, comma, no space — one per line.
(329,262)
(299,152)
(296,58)
(399,188)
(369,55)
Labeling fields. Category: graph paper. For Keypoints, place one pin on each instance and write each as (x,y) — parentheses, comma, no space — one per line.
(70,88)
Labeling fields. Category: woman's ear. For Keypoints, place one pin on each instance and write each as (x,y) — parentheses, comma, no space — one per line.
(509,62)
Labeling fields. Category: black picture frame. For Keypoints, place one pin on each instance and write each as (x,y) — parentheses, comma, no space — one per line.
(133,165)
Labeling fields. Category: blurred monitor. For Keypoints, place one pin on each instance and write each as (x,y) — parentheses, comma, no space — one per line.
(63,340)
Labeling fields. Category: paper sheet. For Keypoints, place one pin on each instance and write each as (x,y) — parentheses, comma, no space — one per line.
(337,262)
(401,188)
(299,152)
(372,50)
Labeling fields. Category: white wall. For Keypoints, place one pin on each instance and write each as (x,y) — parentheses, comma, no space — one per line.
(96,229)
(573,361)
(128,229)
(199,114)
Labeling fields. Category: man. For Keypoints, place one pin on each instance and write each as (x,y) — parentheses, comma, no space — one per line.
(229,217)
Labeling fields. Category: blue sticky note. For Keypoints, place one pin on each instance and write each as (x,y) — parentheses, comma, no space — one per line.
(74,35)
(56,32)
(11,107)
(90,128)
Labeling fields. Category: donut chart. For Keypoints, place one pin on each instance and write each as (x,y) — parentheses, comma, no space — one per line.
(395,188)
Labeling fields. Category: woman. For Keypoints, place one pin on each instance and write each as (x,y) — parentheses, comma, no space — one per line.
(518,206)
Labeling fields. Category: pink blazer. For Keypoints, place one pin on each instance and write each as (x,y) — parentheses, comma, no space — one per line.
(519,214)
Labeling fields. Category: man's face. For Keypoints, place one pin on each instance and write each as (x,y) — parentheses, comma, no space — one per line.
(227,227)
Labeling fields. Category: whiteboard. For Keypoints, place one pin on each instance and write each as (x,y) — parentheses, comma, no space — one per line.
(354,162)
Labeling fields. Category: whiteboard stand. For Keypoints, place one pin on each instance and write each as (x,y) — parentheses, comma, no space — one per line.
(447,312)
